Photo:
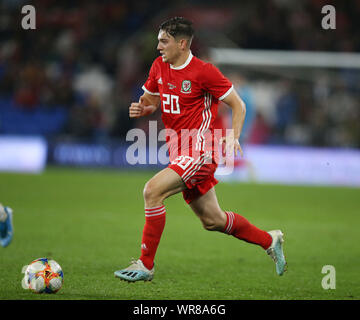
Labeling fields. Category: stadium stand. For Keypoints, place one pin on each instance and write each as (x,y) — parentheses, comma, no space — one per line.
(77,72)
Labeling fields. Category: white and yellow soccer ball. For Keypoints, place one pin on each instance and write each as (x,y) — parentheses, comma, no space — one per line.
(43,276)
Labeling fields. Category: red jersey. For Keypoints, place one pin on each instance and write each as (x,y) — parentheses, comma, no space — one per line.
(189,96)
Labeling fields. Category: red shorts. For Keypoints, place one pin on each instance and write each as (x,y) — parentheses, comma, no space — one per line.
(198,175)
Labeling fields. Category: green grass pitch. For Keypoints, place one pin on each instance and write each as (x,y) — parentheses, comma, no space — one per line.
(91,223)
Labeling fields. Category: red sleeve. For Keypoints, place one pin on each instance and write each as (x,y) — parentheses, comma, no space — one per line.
(214,82)
(151,84)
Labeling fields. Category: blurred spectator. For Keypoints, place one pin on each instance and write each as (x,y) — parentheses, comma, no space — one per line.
(286,111)
(260,131)
(245,92)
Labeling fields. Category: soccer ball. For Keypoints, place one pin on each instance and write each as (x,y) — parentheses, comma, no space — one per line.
(43,276)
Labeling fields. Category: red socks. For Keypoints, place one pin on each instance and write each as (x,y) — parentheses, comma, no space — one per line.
(154,226)
(236,226)
(241,228)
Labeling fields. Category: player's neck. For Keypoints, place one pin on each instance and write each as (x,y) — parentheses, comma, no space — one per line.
(182,60)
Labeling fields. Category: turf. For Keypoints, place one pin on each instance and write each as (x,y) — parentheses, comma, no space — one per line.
(91,222)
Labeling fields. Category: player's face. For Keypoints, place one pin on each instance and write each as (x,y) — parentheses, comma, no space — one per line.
(168,47)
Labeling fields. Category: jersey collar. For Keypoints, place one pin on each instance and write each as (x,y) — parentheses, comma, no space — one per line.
(185,64)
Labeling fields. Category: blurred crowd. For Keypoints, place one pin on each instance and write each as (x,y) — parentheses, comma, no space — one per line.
(90,59)
(82,57)
(298,112)
(296,25)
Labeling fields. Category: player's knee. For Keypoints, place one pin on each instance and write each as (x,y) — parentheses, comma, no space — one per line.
(214,221)
(210,224)
(150,192)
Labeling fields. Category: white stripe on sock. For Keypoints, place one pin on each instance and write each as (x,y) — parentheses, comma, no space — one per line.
(156,211)
(231,218)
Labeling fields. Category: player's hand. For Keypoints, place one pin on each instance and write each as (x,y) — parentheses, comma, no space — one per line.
(232,145)
(136,109)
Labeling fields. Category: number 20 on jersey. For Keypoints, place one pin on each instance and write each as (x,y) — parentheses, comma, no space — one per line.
(170,103)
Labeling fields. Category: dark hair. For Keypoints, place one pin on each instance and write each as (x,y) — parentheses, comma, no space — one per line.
(178,26)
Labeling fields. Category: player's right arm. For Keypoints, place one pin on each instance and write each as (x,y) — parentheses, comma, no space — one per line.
(147,105)
(150,100)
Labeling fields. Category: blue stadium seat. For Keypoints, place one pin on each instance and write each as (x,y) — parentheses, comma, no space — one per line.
(41,121)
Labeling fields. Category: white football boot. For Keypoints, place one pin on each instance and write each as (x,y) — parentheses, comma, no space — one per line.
(275,251)
(135,272)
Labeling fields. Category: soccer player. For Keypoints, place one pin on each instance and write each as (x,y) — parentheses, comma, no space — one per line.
(189,91)
(6,228)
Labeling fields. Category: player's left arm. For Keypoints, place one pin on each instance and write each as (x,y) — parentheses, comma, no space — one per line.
(238,109)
